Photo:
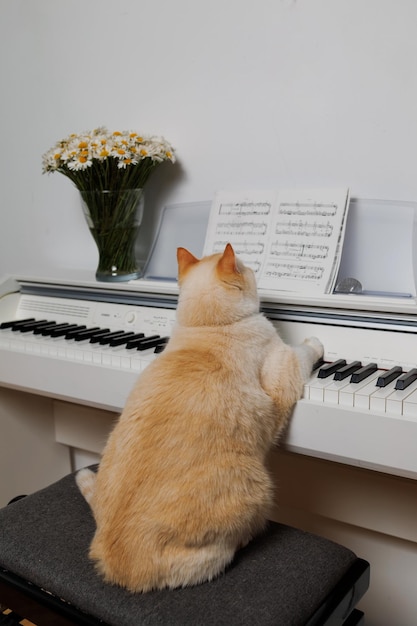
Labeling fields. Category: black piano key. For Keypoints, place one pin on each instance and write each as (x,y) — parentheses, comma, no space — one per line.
(105,339)
(30,326)
(40,329)
(16,323)
(136,342)
(95,331)
(330,368)
(388,377)
(70,334)
(406,379)
(363,372)
(48,330)
(160,347)
(152,343)
(121,339)
(61,332)
(317,364)
(347,370)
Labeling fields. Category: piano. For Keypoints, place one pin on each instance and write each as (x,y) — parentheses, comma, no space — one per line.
(85,343)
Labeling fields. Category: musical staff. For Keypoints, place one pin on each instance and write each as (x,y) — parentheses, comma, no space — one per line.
(304,228)
(245,208)
(244,248)
(299,250)
(241,228)
(292,239)
(294,271)
(315,209)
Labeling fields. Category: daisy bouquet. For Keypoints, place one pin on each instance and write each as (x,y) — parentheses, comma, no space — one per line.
(100,159)
(110,170)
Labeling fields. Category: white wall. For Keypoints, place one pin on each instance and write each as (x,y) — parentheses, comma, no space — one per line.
(253,93)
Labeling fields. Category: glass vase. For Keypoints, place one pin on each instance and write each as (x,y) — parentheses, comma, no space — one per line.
(114,219)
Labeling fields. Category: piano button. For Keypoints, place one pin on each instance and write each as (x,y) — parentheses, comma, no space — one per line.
(90,332)
(363,372)
(15,323)
(136,342)
(388,377)
(121,339)
(406,379)
(347,370)
(103,340)
(331,368)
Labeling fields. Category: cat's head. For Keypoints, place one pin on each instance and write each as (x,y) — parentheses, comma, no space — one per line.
(215,290)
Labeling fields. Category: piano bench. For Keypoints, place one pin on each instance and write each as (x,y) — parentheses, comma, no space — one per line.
(285,576)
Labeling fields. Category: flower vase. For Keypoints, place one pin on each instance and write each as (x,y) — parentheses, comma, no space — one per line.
(114,219)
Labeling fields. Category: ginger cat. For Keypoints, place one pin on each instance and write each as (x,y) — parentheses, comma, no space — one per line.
(182,483)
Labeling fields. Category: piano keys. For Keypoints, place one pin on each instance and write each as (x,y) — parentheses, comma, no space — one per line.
(87,344)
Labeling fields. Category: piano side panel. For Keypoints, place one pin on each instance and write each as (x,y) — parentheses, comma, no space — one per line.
(372,513)
(30,457)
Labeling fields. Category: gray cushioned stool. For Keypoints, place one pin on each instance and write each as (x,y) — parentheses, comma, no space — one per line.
(284,577)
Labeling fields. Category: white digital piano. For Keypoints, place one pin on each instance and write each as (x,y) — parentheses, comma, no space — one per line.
(71,349)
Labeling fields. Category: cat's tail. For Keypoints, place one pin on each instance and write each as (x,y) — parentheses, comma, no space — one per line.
(86,481)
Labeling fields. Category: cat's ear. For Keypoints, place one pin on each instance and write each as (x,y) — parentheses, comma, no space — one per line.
(185,261)
(228,268)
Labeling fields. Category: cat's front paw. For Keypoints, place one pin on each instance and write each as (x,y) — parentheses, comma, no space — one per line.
(316,345)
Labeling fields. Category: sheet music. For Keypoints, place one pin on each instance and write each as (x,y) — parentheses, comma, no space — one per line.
(292,239)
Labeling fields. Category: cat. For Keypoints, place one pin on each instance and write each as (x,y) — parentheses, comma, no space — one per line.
(182,483)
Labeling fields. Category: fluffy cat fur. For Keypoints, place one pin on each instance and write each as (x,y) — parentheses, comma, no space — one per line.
(182,483)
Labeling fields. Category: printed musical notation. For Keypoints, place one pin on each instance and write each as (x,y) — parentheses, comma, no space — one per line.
(305,228)
(245,208)
(299,250)
(292,239)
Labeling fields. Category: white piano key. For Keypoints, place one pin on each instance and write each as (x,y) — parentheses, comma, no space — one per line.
(332,391)
(316,387)
(87,356)
(378,399)
(136,364)
(396,399)
(115,360)
(347,394)
(410,406)
(125,362)
(362,398)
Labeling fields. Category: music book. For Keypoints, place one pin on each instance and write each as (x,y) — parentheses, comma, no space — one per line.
(291,238)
